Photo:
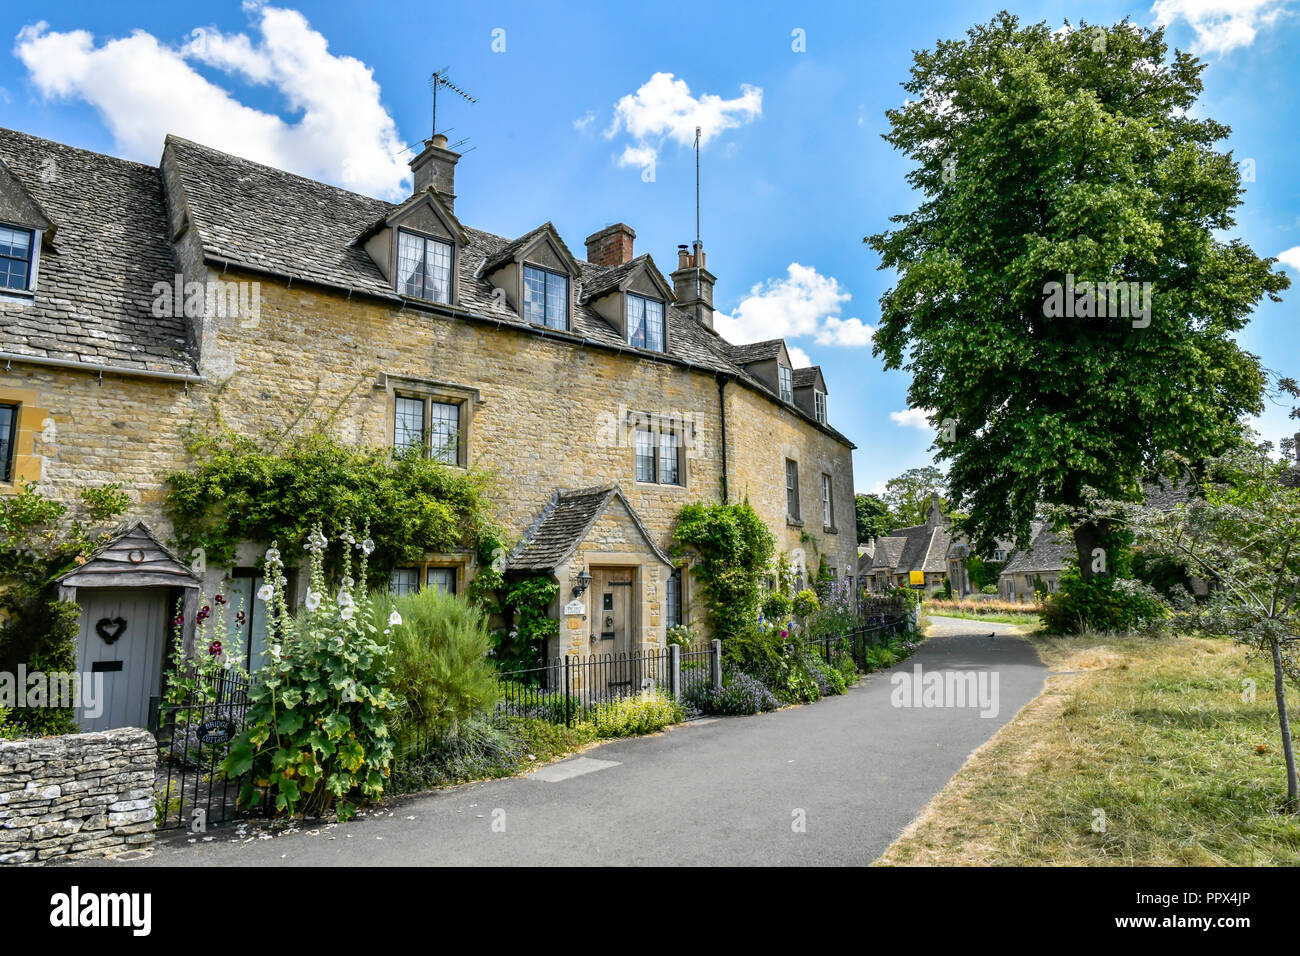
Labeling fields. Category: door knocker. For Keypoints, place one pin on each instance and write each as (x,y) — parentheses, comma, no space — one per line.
(110,629)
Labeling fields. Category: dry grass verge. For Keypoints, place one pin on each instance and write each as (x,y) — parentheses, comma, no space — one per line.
(1155,733)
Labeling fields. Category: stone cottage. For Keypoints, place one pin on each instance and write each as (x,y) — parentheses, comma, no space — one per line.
(595,388)
(920,556)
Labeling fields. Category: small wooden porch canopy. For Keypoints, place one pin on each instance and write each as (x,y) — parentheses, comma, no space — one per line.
(133,557)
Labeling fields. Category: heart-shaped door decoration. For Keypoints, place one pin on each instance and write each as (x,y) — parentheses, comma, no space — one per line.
(110,629)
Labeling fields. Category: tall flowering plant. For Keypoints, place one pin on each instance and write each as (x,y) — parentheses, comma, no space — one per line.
(316,734)
(218,656)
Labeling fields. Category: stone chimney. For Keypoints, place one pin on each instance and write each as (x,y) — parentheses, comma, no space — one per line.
(612,246)
(693,284)
(436,167)
(935,518)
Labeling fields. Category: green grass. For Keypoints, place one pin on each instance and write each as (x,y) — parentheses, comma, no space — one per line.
(1029,618)
(1153,732)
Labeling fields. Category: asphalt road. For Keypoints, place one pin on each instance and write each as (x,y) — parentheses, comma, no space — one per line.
(854,769)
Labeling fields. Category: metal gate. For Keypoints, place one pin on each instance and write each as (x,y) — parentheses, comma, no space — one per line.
(194,737)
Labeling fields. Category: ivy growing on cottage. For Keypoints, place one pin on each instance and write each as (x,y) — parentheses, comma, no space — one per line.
(238,491)
(40,539)
(733,552)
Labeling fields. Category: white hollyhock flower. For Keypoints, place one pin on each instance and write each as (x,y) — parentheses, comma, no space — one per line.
(264,592)
(272,555)
(344,598)
(367,546)
(313,600)
(345,612)
(394,619)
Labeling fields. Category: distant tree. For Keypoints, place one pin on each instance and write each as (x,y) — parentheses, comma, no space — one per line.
(1050,161)
(873,516)
(908,496)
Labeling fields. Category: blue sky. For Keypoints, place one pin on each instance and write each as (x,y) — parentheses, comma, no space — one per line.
(574,102)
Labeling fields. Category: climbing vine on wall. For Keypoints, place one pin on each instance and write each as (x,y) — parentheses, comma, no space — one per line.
(239,491)
(734,551)
(40,539)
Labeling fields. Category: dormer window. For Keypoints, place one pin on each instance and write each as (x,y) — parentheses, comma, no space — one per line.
(16,258)
(819,406)
(645,322)
(424,267)
(787,383)
(546,298)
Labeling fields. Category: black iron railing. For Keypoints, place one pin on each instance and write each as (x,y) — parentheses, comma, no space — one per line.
(191,788)
(572,688)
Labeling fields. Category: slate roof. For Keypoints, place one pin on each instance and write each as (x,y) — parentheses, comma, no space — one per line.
(806,377)
(884,555)
(94,296)
(511,249)
(562,526)
(1047,551)
(753,351)
(607,279)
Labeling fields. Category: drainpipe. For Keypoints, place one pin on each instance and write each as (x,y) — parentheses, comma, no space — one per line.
(722,408)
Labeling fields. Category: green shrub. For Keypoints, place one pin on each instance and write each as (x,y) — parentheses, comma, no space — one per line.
(830,682)
(645,713)
(1106,603)
(741,695)
(776,606)
(878,658)
(478,749)
(438,650)
(806,602)
(543,740)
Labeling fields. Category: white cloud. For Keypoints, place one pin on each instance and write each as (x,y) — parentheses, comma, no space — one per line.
(1290,257)
(664,109)
(583,122)
(145,89)
(803,303)
(913,418)
(1220,25)
(798,357)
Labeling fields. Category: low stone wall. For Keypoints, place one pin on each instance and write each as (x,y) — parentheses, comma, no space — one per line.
(80,795)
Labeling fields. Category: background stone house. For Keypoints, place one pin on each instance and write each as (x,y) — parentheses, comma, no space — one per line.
(595,389)
(1037,567)
(923,550)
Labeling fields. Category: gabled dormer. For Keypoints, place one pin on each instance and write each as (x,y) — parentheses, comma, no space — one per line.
(810,391)
(417,247)
(769,362)
(25,233)
(634,299)
(536,275)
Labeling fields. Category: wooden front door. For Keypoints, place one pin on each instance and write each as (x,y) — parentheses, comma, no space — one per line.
(613,618)
(122,638)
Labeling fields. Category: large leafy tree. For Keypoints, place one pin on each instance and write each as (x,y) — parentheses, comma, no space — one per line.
(872,516)
(1066,157)
(909,495)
